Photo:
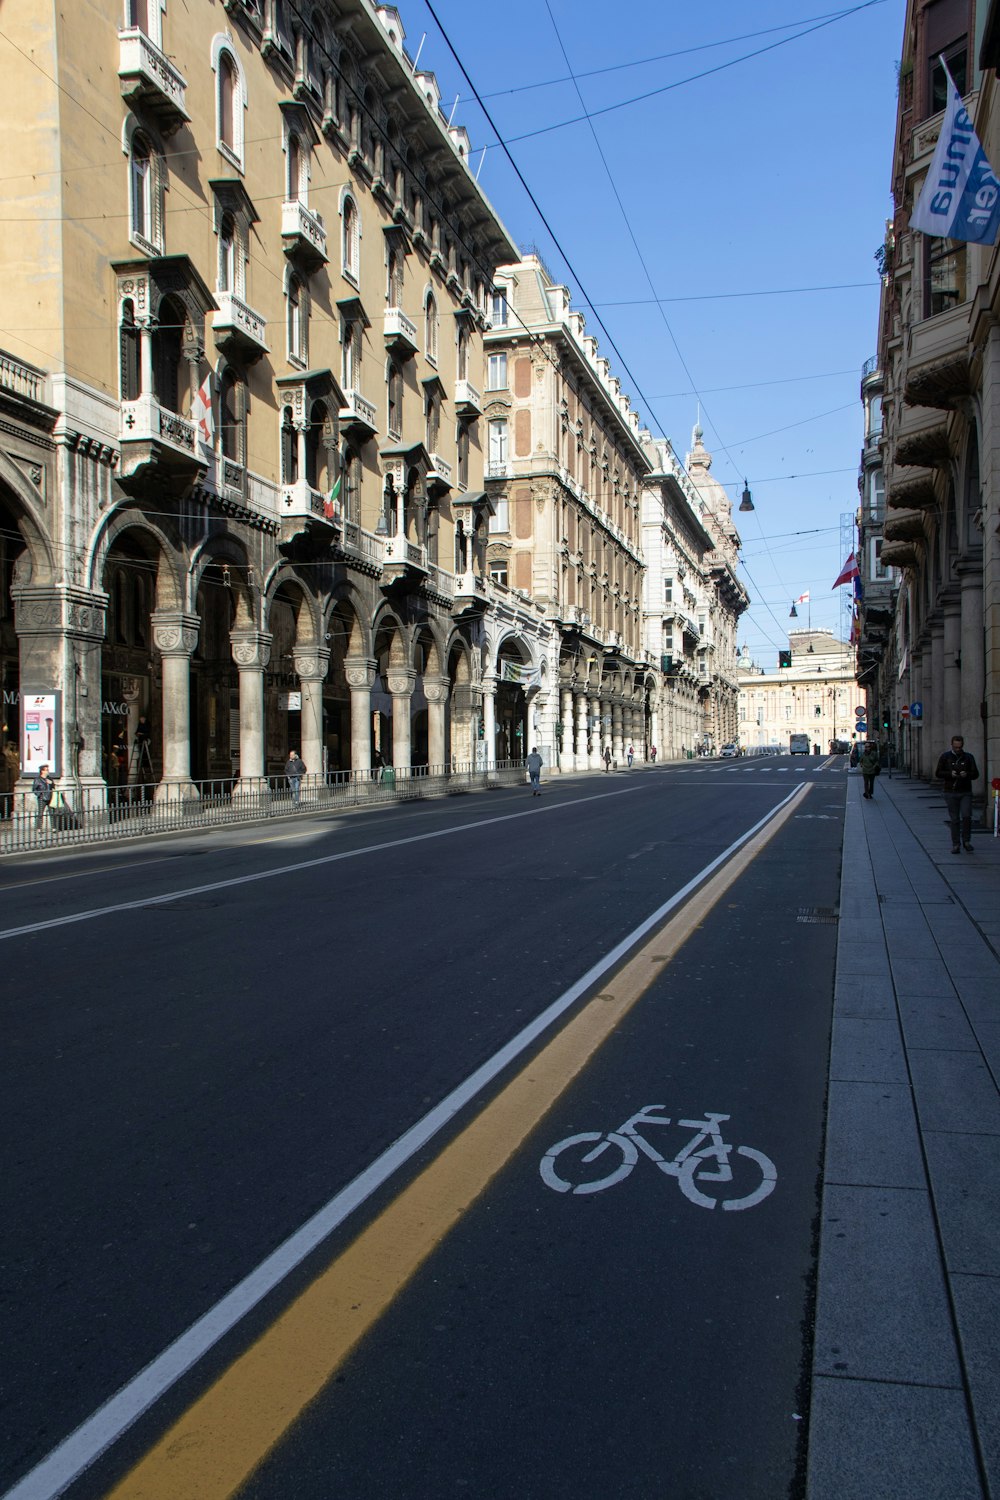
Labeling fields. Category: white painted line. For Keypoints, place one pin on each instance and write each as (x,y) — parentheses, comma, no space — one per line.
(76,1453)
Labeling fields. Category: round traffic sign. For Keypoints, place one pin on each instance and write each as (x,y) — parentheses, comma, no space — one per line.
(859,713)
(861,727)
(904,712)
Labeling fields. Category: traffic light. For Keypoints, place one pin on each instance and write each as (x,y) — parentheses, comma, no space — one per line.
(886,721)
(784,658)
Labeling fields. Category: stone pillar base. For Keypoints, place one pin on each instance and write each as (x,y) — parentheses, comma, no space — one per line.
(176,791)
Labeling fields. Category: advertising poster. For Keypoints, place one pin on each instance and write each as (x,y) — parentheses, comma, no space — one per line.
(40,733)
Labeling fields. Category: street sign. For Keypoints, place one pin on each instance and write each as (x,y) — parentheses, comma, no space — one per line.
(916,710)
(859,713)
(861,727)
(904,712)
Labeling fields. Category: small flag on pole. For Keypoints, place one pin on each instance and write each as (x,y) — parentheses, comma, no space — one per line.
(848,571)
(803,598)
(201,411)
(332,504)
(960,198)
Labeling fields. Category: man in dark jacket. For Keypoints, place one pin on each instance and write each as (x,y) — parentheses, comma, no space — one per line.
(958,770)
(43,786)
(295,769)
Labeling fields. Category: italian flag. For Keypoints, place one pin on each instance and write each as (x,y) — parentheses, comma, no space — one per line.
(330,504)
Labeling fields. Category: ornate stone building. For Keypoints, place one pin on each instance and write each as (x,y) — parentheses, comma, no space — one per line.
(813,695)
(246,278)
(939,359)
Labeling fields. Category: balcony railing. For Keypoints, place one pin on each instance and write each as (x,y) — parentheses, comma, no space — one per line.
(303,233)
(498,468)
(23,380)
(236,323)
(301,500)
(148,77)
(359,412)
(440,470)
(468,400)
(400,332)
(145,421)
(357,542)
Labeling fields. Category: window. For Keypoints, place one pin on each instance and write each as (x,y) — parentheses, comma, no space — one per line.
(668,590)
(129,373)
(170,377)
(498,307)
(230,101)
(232,416)
(351,249)
(881,571)
(293,170)
(146,183)
(462,359)
(498,443)
(462,454)
(137,15)
(394,384)
(877,494)
(944,275)
(500,522)
(498,573)
(431,327)
(297,313)
(874,416)
(350,490)
(351,354)
(227,254)
(496,372)
(432,415)
(394,278)
(289,447)
(956,56)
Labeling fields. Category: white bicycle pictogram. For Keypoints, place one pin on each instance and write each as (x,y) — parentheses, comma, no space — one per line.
(692,1165)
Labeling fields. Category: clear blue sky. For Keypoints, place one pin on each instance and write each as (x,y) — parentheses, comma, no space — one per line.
(770,177)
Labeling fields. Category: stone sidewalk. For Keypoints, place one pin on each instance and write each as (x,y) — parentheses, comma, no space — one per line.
(906,1367)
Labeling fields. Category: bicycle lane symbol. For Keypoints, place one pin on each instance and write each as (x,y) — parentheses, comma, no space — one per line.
(705,1168)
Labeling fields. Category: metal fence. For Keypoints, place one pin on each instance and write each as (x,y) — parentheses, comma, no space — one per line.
(99,815)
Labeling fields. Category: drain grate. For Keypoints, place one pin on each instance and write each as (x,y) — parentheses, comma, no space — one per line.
(828,914)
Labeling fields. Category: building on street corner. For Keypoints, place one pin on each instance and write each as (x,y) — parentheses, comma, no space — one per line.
(810,691)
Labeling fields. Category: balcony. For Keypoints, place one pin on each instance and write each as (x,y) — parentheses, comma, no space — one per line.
(903,526)
(157,445)
(304,509)
(468,401)
(359,415)
(937,371)
(901,554)
(239,330)
(149,79)
(921,437)
(470,594)
(497,469)
(400,333)
(914,491)
(303,235)
(439,472)
(405,563)
(360,544)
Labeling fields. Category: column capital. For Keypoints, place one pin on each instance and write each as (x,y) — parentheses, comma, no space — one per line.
(436,689)
(311,663)
(60,609)
(401,681)
(360,672)
(251,649)
(174,632)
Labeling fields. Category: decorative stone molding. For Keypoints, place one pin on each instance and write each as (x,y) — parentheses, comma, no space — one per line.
(59,610)
(401,681)
(311,665)
(251,649)
(436,689)
(174,632)
(360,673)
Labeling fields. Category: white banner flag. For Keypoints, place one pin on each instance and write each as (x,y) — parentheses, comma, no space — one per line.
(960,198)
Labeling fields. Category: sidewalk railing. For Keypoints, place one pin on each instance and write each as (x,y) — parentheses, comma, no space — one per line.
(100,815)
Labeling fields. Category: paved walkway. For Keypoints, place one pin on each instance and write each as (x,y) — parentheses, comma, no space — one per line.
(906,1387)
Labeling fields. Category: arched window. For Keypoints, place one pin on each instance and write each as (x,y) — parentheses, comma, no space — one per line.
(293,188)
(230,100)
(227,101)
(227,254)
(142,190)
(352,234)
(431,327)
(130,369)
(462,452)
(394,384)
(289,447)
(395,279)
(170,388)
(298,321)
(462,367)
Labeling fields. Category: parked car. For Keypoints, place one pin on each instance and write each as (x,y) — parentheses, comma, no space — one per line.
(729,752)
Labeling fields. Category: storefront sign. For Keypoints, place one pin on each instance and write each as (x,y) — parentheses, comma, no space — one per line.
(40,717)
(290,702)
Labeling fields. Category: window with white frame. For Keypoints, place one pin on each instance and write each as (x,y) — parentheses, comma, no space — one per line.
(462,454)
(431,327)
(297,321)
(351,354)
(498,307)
(496,372)
(394,399)
(296,174)
(351,240)
(497,443)
(498,573)
(230,101)
(146,183)
(500,521)
(227,254)
(394,278)
(462,354)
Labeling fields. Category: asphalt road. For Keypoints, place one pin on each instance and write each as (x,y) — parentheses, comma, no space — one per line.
(246,1020)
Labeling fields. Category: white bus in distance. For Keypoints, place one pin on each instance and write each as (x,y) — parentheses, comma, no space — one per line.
(798,744)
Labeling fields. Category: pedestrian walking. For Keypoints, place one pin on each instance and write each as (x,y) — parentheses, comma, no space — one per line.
(958,770)
(534,765)
(607,757)
(295,769)
(652,753)
(631,756)
(870,767)
(119,756)
(378,765)
(43,786)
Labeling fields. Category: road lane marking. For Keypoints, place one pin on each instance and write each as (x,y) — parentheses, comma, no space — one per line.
(309,864)
(226,1434)
(86,1444)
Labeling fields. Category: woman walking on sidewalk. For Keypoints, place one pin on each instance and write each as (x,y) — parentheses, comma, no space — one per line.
(870,768)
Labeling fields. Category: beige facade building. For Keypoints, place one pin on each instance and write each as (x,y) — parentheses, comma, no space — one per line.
(246,277)
(939,359)
(814,695)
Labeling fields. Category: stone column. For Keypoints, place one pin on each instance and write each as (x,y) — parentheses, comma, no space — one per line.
(582,732)
(311,667)
(175,635)
(436,693)
(566,762)
(951,687)
(619,731)
(973,671)
(934,727)
(251,653)
(400,684)
(360,674)
(490,718)
(60,631)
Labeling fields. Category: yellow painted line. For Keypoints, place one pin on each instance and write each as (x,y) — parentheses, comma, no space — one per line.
(227,1433)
